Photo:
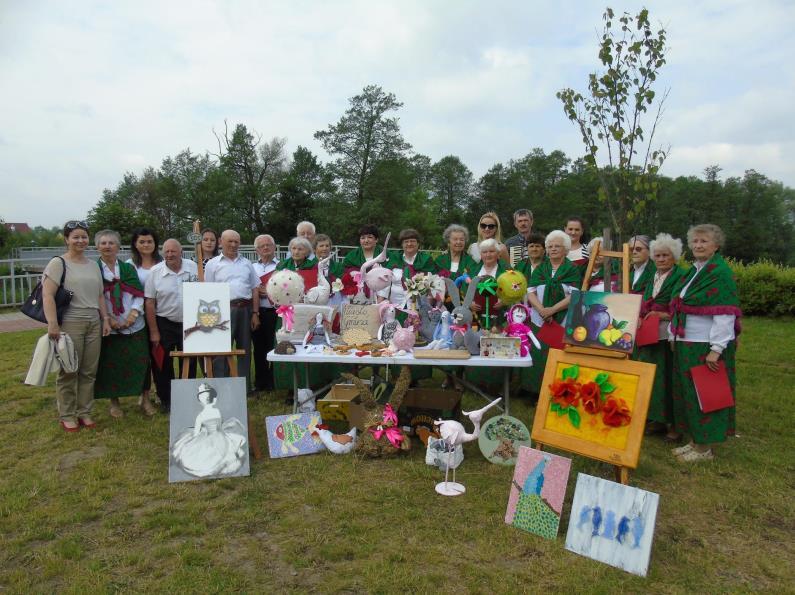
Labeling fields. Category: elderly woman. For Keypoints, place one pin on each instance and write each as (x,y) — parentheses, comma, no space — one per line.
(85,321)
(298,259)
(575,229)
(705,315)
(549,293)
(455,260)
(144,255)
(665,251)
(642,267)
(535,255)
(490,266)
(124,361)
(489,229)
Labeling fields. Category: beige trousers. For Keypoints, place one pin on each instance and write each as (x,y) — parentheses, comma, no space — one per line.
(75,392)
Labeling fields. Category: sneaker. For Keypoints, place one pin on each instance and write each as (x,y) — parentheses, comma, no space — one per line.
(682,449)
(694,456)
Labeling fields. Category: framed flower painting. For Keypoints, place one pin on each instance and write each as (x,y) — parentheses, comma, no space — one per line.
(594,406)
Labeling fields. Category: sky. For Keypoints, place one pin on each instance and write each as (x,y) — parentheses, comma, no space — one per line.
(91,90)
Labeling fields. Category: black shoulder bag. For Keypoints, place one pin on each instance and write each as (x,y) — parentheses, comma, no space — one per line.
(34,305)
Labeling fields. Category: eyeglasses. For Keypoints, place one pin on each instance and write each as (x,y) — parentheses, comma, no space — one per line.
(76,224)
(639,248)
(488,226)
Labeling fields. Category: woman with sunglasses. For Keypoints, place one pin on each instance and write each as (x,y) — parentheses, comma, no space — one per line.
(85,321)
(144,255)
(489,228)
(643,268)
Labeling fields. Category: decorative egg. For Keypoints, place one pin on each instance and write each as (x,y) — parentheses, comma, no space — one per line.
(285,288)
(511,287)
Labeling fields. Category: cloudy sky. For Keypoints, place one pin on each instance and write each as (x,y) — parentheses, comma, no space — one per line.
(93,89)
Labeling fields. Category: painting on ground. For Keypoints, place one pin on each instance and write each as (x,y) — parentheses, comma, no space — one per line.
(538,488)
(603,320)
(612,523)
(205,318)
(501,437)
(293,435)
(208,429)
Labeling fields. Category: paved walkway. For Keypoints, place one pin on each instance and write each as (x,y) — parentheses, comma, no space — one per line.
(11,322)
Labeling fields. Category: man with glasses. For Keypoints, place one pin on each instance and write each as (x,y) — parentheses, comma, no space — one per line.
(263,337)
(517,245)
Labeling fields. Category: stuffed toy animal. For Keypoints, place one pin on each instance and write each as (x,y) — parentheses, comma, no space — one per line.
(464,337)
(320,293)
(374,276)
(402,341)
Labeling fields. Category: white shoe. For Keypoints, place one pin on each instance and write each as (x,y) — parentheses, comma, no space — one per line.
(680,450)
(694,456)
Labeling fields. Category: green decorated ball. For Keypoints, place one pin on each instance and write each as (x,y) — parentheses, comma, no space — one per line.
(511,287)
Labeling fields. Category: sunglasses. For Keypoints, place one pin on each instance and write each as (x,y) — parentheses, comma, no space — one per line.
(488,226)
(76,224)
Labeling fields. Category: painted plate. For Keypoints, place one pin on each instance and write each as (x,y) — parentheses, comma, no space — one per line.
(500,439)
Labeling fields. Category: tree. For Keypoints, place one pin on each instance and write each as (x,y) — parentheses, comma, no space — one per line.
(363,138)
(256,169)
(612,115)
(451,182)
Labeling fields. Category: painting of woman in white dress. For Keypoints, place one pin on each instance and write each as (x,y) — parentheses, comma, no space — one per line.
(214,446)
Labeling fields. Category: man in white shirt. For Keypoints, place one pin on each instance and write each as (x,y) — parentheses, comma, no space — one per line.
(263,338)
(230,267)
(163,292)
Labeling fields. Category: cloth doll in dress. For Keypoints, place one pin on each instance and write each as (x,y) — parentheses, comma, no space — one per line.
(517,317)
(389,324)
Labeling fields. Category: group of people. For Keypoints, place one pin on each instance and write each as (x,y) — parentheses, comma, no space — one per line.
(124,312)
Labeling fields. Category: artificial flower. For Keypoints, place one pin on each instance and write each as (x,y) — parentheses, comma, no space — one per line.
(565,392)
(591,394)
(615,413)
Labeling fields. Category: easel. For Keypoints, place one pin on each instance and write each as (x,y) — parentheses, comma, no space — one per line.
(621,471)
(197,248)
(231,360)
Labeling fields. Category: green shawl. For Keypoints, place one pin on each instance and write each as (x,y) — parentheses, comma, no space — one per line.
(444,262)
(423,263)
(660,302)
(355,258)
(646,277)
(712,293)
(289,264)
(524,267)
(568,273)
(127,282)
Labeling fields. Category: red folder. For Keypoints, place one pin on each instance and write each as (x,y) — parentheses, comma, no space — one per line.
(712,388)
(159,355)
(310,277)
(264,278)
(648,332)
(551,333)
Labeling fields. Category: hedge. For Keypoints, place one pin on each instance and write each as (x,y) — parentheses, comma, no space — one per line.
(765,288)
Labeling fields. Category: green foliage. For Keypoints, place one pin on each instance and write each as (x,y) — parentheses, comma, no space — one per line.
(765,288)
(611,115)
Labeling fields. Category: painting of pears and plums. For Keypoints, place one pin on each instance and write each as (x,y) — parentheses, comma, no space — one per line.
(602,320)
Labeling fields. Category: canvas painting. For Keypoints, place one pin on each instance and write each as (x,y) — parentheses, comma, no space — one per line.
(291,435)
(612,523)
(501,437)
(208,429)
(205,318)
(535,503)
(595,406)
(603,320)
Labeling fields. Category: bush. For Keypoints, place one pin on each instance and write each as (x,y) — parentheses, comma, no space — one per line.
(765,288)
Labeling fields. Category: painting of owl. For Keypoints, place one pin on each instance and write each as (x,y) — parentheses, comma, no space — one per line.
(209,315)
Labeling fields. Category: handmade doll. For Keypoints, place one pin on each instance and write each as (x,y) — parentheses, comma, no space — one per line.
(317,334)
(389,324)
(517,316)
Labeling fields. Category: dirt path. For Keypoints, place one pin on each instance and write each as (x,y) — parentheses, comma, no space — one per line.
(11,322)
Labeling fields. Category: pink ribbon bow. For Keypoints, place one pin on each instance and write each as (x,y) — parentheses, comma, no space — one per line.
(288,316)
(458,328)
(392,433)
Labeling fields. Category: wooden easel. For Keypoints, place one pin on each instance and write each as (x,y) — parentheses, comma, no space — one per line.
(231,359)
(197,249)
(621,472)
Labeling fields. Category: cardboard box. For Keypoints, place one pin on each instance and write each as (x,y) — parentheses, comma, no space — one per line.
(342,407)
(423,406)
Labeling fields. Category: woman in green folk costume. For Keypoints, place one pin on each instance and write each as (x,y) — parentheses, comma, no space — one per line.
(705,321)
(368,248)
(536,254)
(124,359)
(642,266)
(455,261)
(405,264)
(299,250)
(665,251)
(549,293)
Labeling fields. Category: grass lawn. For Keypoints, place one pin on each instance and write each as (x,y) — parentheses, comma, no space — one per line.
(94,511)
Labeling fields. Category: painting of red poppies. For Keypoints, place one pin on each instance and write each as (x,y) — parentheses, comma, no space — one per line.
(595,406)
(602,320)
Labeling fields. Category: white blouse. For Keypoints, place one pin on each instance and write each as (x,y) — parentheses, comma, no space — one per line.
(128,302)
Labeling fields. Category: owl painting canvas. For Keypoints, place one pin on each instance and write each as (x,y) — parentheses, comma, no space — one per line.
(205,317)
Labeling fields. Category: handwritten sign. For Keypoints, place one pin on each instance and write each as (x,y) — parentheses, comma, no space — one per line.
(360,316)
